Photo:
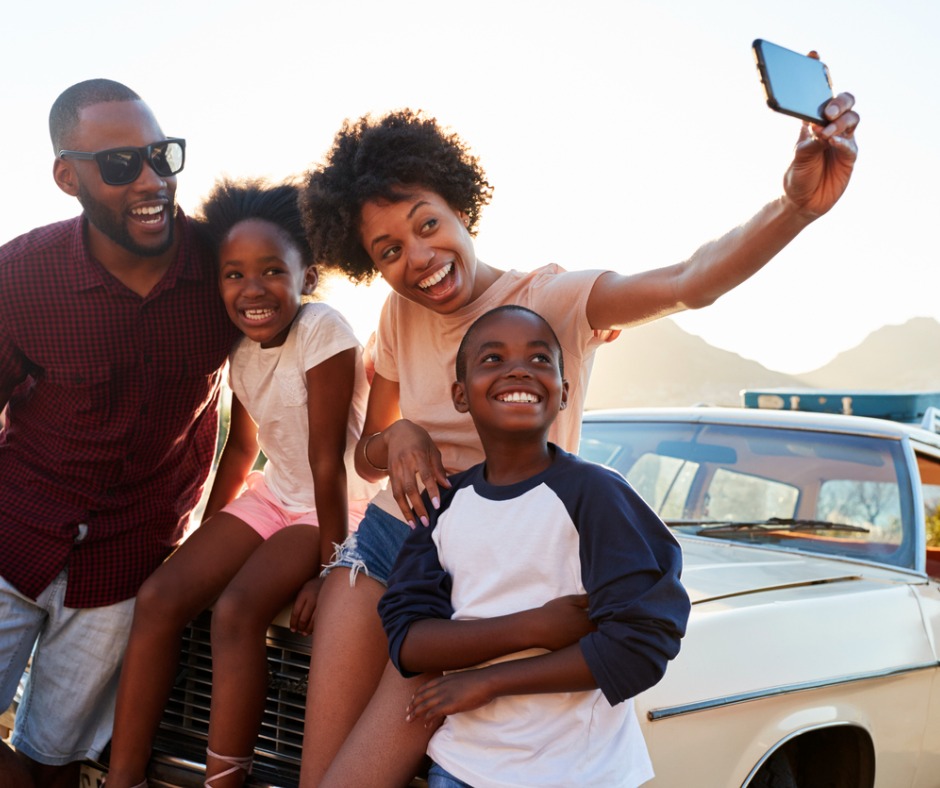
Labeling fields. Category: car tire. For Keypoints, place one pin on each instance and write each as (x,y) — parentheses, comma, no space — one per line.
(777,772)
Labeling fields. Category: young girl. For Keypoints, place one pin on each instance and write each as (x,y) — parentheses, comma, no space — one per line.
(400,197)
(299,394)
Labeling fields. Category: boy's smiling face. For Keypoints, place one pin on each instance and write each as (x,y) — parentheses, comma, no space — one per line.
(512,379)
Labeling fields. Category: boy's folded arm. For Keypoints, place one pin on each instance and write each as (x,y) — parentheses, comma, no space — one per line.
(557,671)
(631,567)
(435,644)
(564,670)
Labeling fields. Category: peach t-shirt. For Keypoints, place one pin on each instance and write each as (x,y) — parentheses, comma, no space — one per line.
(417,348)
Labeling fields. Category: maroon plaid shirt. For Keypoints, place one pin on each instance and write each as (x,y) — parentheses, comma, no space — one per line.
(111,423)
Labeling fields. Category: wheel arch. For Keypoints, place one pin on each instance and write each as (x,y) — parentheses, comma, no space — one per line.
(842,753)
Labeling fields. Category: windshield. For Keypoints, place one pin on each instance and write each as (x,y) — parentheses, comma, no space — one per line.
(815,491)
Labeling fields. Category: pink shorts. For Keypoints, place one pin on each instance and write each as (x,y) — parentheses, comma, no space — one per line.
(258,507)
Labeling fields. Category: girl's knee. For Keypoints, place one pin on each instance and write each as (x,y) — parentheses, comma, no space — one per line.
(158,600)
(235,617)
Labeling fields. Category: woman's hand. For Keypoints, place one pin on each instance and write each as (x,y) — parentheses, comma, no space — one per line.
(824,158)
(412,455)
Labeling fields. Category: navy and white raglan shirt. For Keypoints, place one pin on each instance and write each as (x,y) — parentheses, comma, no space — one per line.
(576,527)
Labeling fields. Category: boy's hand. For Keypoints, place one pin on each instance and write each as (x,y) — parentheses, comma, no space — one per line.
(449,694)
(305,605)
(563,621)
(412,454)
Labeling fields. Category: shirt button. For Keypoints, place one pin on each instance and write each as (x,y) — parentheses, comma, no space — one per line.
(82,533)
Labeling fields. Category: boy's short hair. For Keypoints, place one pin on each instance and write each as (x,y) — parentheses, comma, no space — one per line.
(383,159)
(234,201)
(63,117)
(461,362)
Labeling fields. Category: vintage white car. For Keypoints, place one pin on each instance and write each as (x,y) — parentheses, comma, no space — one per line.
(811,657)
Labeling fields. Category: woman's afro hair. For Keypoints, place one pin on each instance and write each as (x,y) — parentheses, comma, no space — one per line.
(384,159)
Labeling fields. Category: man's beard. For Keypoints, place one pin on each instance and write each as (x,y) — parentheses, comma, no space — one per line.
(115,228)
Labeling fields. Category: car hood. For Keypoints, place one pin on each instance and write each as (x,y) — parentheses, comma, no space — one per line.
(767,621)
(720,569)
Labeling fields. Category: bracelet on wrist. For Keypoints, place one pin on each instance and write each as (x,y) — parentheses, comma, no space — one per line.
(365,453)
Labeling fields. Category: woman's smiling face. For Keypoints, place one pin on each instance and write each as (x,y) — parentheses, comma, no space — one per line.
(421,248)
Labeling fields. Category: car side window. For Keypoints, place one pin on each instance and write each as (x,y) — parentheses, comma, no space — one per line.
(929,468)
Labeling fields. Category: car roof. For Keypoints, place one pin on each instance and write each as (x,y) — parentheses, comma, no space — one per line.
(821,422)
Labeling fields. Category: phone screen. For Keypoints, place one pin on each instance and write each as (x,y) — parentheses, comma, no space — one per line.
(793,83)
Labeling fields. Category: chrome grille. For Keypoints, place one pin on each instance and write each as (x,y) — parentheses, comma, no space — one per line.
(185,725)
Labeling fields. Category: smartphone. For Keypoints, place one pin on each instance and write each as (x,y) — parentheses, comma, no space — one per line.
(794,84)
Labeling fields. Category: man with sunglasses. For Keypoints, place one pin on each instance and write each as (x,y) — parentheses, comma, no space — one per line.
(112,333)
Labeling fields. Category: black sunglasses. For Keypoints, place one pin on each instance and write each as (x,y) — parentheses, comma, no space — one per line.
(120,166)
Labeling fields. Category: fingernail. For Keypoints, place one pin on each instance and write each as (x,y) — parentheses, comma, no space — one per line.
(424,521)
(829,130)
(411,524)
(831,111)
(436,502)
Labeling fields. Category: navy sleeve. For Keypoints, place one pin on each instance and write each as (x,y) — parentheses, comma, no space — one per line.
(418,588)
(630,567)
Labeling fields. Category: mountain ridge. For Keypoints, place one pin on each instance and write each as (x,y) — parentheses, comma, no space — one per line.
(661,364)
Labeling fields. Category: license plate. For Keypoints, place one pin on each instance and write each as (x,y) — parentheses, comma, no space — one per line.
(90,777)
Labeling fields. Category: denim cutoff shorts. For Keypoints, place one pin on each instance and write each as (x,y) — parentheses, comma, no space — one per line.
(374,546)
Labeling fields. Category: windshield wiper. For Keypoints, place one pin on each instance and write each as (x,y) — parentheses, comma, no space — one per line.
(715,527)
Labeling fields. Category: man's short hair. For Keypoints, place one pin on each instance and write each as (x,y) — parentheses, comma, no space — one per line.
(63,117)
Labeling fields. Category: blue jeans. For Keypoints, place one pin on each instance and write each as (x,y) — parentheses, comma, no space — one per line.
(440,778)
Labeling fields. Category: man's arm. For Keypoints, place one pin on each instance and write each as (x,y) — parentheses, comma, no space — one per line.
(816,179)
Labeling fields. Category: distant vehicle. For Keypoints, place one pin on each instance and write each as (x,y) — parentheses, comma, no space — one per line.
(811,545)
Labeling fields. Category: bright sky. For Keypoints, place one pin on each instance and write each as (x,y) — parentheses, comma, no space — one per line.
(619,134)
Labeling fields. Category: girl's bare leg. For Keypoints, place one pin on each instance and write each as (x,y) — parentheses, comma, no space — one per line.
(267,582)
(348,656)
(170,598)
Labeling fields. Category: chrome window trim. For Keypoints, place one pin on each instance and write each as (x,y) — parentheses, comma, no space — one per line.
(787,689)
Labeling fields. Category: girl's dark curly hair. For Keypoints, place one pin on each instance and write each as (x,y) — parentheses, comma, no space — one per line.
(384,159)
(231,202)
